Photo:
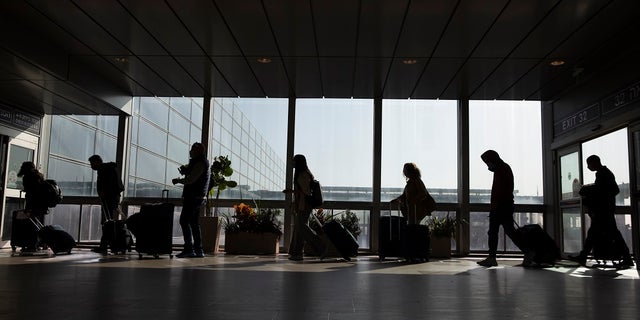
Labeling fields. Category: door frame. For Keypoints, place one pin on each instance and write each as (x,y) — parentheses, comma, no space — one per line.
(634,186)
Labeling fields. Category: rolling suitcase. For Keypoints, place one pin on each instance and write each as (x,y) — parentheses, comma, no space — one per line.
(55,237)
(153,228)
(391,231)
(24,233)
(533,237)
(609,245)
(417,244)
(341,238)
(115,234)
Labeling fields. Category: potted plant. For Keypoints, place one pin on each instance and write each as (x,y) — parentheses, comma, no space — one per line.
(250,231)
(210,223)
(348,219)
(442,230)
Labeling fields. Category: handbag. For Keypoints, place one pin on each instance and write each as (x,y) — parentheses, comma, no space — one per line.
(429,204)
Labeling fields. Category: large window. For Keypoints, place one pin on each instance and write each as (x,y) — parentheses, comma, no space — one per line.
(513,129)
(614,154)
(253,134)
(336,136)
(423,132)
(162,131)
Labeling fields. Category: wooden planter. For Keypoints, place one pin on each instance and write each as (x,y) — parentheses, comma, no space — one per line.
(440,247)
(210,228)
(252,243)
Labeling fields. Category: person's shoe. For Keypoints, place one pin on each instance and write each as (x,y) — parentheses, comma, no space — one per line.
(580,259)
(199,254)
(296,258)
(324,253)
(186,254)
(488,262)
(625,264)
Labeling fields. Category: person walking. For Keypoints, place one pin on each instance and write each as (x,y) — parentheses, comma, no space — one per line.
(412,200)
(196,183)
(501,207)
(109,185)
(600,200)
(302,232)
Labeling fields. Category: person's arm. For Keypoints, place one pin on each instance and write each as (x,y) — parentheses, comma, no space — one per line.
(199,168)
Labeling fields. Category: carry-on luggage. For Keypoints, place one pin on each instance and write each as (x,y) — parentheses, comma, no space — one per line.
(55,237)
(24,233)
(534,238)
(391,230)
(417,243)
(342,239)
(115,234)
(609,246)
(153,228)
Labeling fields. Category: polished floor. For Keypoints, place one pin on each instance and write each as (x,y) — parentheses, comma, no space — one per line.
(86,285)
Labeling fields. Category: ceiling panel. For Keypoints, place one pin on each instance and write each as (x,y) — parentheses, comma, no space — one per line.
(205,24)
(468,25)
(506,76)
(430,84)
(305,76)
(470,76)
(272,78)
(336,30)
(206,73)
(293,25)
(380,26)
(425,22)
(240,76)
(337,77)
(147,77)
(402,78)
(249,26)
(370,76)
(170,70)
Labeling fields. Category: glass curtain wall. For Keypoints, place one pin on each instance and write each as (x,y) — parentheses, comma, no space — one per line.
(162,131)
(513,129)
(423,132)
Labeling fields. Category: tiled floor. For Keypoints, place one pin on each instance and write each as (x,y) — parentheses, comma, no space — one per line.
(85,285)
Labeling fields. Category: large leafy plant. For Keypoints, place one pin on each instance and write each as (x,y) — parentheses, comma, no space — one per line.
(444,226)
(220,171)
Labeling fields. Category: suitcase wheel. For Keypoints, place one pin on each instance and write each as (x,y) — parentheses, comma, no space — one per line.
(140,256)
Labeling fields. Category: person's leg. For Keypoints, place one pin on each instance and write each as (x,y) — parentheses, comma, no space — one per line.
(297,240)
(185,219)
(494,228)
(195,228)
(310,236)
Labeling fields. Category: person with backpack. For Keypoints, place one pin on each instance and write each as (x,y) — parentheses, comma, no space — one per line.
(32,180)
(302,232)
(412,200)
(109,185)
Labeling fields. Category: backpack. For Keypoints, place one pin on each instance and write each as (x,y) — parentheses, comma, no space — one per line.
(315,199)
(51,193)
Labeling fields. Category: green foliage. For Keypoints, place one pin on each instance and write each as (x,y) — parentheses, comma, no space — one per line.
(220,170)
(444,226)
(246,219)
(348,219)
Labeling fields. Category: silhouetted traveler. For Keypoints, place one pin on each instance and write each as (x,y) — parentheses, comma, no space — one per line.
(600,200)
(196,183)
(302,232)
(109,186)
(35,204)
(501,208)
(412,204)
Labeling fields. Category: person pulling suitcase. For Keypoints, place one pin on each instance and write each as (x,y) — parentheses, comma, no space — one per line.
(109,185)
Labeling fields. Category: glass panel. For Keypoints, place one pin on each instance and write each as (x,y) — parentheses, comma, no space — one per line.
(106,146)
(182,105)
(479,225)
(613,151)
(90,225)
(636,143)
(251,160)
(571,229)
(17,155)
(513,129)
(336,136)
(152,138)
(10,205)
(151,167)
(71,139)
(570,176)
(65,215)
(178,126)
(154,110)
(74,179)
(423,132)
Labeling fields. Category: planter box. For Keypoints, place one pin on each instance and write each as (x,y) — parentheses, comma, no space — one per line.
(440,247)
(210,228)
(252,243)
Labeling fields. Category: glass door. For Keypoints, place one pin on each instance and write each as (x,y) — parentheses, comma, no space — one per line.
(570,181)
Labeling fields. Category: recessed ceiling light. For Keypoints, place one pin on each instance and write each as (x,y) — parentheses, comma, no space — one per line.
(556,63)
(264,60)
(409,61)
(121,59)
